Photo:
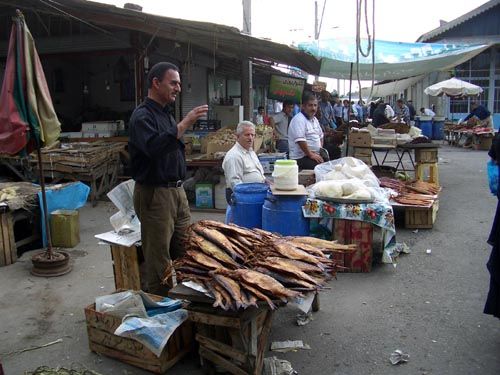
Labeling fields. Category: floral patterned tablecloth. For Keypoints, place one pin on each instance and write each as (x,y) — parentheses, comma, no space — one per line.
(379,214)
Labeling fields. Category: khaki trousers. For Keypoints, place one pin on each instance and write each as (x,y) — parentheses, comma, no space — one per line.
(164,215)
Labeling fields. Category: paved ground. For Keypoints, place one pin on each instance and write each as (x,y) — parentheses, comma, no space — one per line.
(429,305)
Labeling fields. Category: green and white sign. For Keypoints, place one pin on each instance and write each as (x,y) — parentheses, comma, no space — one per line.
(286,88)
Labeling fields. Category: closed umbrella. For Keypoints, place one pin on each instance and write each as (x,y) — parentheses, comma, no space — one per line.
(453,87)
(27,117)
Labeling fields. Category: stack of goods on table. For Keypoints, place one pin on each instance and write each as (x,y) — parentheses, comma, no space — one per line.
(418,198)
(241,267)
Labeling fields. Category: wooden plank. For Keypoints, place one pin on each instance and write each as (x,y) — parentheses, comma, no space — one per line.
(5,238)
(220,361)
(12,245)
(212,319)
(3,250)
(126,267)
(123,357)
(221,348)
(263,341)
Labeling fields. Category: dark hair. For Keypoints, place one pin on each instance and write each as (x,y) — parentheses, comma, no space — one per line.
(399,101)
(260,107)
(158,71)
(287,102)
(307,96)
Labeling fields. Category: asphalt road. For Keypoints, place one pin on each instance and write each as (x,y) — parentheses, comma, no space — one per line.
(429,306)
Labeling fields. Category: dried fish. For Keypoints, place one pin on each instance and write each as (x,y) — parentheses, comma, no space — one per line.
(218,239)
(289,251)
(258,294)
(231,286)
(213,250)
(203,259)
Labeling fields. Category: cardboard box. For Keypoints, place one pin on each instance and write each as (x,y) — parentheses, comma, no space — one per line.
(360,139)
(103,126)
(65,228)
(362,151)
(101,328)
(361,234)
(267,160)
(99,134)
(307,177)
(204,195)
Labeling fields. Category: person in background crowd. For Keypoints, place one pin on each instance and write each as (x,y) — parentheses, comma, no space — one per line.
(360,108)
(280,123)
(338,109)
(427,112)
(389,112)
(492,305)
(327,118)
(402,111)
(413,112)
(481,114)
(345,111)
(379,117)
(261,117)
(241,163)
(305,137)
(371,109)
(158,166)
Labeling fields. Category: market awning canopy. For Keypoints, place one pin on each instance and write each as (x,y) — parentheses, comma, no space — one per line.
(390,88)
(453,87)
(393,60)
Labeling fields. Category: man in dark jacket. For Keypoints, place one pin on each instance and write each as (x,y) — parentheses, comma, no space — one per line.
(379,117)
(158,167)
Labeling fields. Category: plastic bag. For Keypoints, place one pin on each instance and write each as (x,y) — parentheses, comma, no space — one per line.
(492,168)
(349,167)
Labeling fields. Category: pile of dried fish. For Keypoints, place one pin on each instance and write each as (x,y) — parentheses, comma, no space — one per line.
(416,193)
(240,266)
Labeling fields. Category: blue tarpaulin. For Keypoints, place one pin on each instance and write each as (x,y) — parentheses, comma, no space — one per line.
(393,60)
(64,197)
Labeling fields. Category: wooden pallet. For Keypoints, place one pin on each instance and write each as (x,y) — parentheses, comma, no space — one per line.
(101,328)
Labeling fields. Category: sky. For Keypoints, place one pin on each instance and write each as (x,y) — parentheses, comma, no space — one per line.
(292,21)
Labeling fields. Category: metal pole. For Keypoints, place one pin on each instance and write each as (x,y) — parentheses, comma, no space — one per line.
(349,113)
(44,202)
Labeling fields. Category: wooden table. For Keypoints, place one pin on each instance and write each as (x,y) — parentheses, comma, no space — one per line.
(233,340)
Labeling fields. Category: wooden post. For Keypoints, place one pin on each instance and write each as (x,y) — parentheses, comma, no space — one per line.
(246,89)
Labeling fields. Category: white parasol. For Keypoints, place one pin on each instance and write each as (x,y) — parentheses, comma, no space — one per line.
(453,87)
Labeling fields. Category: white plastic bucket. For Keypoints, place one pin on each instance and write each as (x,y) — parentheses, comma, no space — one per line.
(286,175)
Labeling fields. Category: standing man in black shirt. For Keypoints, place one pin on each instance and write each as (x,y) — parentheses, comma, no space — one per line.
(158,167)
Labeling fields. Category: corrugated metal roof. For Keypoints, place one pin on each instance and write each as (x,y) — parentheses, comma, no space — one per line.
(226,41)
(457,21)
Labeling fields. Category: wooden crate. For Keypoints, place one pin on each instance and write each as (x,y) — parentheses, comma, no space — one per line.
(361,234)
(421,218)
(362,151)
(360,139)
(426,155)
(8,248)
(126,267)
(101,328)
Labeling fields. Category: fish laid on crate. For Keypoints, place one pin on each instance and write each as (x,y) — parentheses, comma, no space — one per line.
(241,266)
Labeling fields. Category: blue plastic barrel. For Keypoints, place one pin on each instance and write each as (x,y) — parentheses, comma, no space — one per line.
(438,128)
(426,126)
(247,201)
(283,214)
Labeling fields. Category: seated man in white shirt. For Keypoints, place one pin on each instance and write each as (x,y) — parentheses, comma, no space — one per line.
(305,137)
(241,164)
(427,112)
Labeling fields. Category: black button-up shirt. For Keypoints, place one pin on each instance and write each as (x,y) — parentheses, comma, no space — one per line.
(156,155)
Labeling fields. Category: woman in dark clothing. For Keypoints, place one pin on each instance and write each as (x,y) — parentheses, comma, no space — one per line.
(378,117)
(492,305)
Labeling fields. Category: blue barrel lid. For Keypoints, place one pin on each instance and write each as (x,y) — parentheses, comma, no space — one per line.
(251,188)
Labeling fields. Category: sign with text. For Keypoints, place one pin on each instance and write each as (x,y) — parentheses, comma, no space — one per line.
(286,88)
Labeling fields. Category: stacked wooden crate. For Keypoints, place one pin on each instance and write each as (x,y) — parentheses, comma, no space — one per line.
(95,163)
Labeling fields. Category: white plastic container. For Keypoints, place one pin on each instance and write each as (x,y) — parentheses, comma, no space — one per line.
(286,175)
(220,195)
